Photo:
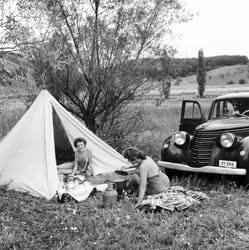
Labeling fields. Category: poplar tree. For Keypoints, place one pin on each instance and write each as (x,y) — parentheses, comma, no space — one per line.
(201,73)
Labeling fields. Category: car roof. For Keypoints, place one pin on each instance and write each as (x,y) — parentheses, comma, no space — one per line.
(233,95)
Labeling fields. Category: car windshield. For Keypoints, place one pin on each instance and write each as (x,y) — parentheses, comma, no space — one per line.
(229,107)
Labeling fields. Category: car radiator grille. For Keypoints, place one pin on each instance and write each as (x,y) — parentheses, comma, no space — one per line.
(203,142)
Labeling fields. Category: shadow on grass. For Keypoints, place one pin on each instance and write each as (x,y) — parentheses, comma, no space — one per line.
(205,182)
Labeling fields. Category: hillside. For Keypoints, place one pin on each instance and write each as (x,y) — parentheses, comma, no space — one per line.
(223,75)
(155,68)
(217,82)
(16,75)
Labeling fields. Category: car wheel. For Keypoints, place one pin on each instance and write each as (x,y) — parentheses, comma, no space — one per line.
(170,173)
(244,181)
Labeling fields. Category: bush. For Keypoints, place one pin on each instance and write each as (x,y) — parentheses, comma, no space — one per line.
(178,81)
(125,131)
(230,82)
(242,81)
(165,88)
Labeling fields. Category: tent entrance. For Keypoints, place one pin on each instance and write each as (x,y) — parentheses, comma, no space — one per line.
(63,149)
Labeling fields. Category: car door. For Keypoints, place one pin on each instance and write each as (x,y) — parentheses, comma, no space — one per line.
(192,115)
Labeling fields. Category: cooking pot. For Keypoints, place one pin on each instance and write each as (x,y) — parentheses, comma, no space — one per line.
(121,172)
(121,184)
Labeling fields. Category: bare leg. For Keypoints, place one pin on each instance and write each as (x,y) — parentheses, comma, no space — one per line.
(133,183)
(135,178)
(61,178)
(65,168)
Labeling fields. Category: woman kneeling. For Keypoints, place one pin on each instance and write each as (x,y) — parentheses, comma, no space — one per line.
(149,176)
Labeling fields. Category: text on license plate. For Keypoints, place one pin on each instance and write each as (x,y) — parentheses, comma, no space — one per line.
(227,164)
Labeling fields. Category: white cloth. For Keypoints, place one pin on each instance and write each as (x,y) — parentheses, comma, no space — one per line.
(81,192)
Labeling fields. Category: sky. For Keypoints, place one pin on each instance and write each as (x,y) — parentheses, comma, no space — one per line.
(220,27)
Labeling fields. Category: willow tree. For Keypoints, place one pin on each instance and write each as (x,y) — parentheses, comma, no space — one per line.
(88,52)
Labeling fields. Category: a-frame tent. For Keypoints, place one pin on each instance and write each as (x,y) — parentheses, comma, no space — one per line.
(40,140)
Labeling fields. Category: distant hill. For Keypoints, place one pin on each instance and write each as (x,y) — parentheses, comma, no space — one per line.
(223,75)
(188,66)
(219,81)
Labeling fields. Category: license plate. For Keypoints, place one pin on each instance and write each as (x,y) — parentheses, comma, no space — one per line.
(227,164)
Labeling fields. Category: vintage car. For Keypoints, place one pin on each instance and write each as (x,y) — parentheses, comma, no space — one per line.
(218,145)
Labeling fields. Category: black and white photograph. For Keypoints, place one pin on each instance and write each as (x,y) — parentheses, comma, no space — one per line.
(124,124)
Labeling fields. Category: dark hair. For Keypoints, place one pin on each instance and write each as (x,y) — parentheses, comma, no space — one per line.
(131,153)
(77,140)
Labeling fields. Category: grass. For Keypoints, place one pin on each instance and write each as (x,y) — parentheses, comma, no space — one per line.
(222,222)
(32,223)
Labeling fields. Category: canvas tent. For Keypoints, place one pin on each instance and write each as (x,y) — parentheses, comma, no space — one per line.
(43,138)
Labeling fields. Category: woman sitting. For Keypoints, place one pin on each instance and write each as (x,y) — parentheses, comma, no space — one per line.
(82,164)
(149,177)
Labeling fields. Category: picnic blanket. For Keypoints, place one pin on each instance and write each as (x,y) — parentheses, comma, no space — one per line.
(174,198)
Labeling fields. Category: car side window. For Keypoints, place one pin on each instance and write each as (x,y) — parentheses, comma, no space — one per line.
(228,109)
(192,110)
(223,109)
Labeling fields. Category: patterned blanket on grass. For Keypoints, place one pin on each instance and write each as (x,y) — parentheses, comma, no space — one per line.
(175,198)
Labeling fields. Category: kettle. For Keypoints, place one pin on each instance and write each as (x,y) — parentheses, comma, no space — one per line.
(110,195)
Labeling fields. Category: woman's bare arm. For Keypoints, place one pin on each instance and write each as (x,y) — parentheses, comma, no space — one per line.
(75,165)
(90,160)
(143,183)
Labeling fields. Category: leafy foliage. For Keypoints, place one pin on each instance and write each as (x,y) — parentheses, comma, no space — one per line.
(230,82)
(242,81)
(166,88)
(87,52)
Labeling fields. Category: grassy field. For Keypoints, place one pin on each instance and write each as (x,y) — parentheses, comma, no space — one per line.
(33,223)
(222,222)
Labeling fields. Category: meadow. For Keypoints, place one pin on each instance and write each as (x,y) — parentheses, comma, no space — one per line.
(222,222)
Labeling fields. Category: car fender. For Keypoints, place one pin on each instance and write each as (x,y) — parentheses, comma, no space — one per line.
(244,152)
(173,153)
(233,154)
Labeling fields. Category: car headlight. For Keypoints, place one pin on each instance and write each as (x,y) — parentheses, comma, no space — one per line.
(180,138)
(227,140)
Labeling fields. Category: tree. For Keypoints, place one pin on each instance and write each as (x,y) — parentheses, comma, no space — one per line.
(90,51)
(13,34)
(169,71)
(201,74)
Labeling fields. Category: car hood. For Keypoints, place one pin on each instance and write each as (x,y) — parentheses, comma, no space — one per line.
(225,123)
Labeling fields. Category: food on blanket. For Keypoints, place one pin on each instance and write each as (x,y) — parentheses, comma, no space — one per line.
(70,185)
(79,177)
